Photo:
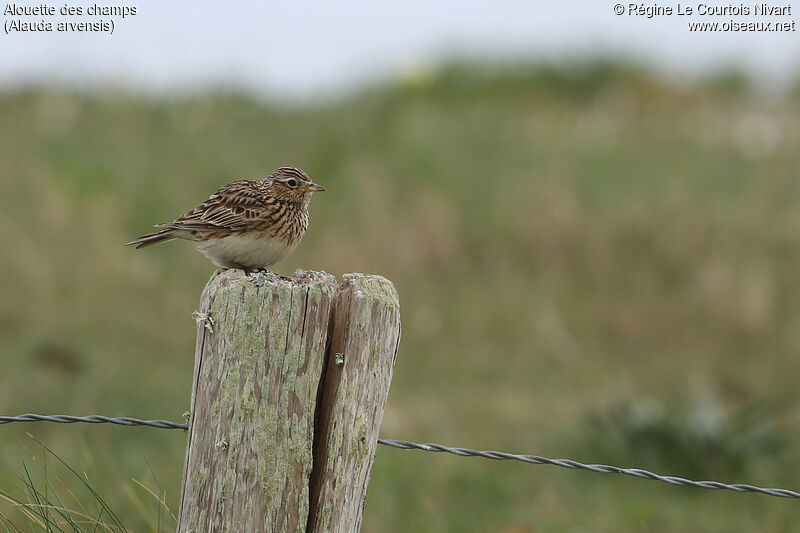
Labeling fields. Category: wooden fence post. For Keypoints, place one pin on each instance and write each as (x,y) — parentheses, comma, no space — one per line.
(290,382)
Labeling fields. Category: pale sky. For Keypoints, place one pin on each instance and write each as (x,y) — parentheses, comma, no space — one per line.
(306,49)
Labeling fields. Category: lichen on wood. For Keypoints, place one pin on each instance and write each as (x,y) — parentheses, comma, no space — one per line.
(255,387)
(272,400)
(365,329)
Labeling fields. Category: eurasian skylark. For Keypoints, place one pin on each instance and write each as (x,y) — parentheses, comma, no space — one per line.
(247,224)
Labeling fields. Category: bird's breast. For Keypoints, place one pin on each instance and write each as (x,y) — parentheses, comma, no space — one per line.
(253,250)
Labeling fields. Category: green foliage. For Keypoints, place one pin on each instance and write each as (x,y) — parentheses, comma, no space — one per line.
(699,440)
(55,497)
(563,240)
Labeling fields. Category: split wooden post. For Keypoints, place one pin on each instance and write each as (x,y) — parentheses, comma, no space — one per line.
(290,382)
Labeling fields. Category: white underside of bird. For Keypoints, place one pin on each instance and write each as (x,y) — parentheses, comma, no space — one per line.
(252,250)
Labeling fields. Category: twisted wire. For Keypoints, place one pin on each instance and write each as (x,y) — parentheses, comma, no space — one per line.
(602,469)
(93,419)
(433,447)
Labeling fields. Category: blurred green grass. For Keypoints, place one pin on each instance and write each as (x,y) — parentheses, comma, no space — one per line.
(568,245)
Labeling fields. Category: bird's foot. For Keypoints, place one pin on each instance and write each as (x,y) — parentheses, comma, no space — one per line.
(247,271)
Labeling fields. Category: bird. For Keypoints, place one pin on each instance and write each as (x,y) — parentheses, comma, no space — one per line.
(246,224)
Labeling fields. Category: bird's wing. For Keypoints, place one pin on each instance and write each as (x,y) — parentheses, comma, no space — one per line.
(235,206)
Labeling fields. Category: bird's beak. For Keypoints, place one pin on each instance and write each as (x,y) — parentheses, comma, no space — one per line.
(313,187)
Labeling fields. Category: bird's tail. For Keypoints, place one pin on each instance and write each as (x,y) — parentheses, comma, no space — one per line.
(154,238)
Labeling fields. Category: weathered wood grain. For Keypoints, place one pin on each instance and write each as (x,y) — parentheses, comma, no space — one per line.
(258,365)
(365,334)
(290,382)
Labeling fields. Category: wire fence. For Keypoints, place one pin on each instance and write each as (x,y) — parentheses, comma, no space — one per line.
(432,447)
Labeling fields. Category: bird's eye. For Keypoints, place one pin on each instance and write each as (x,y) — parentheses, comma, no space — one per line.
(291,182)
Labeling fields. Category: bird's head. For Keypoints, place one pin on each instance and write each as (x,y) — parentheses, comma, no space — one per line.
(293,184)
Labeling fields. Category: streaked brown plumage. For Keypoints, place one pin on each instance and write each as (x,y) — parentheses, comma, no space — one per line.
(249,224)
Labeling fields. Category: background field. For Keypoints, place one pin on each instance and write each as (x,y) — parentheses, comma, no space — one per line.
(592,263)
